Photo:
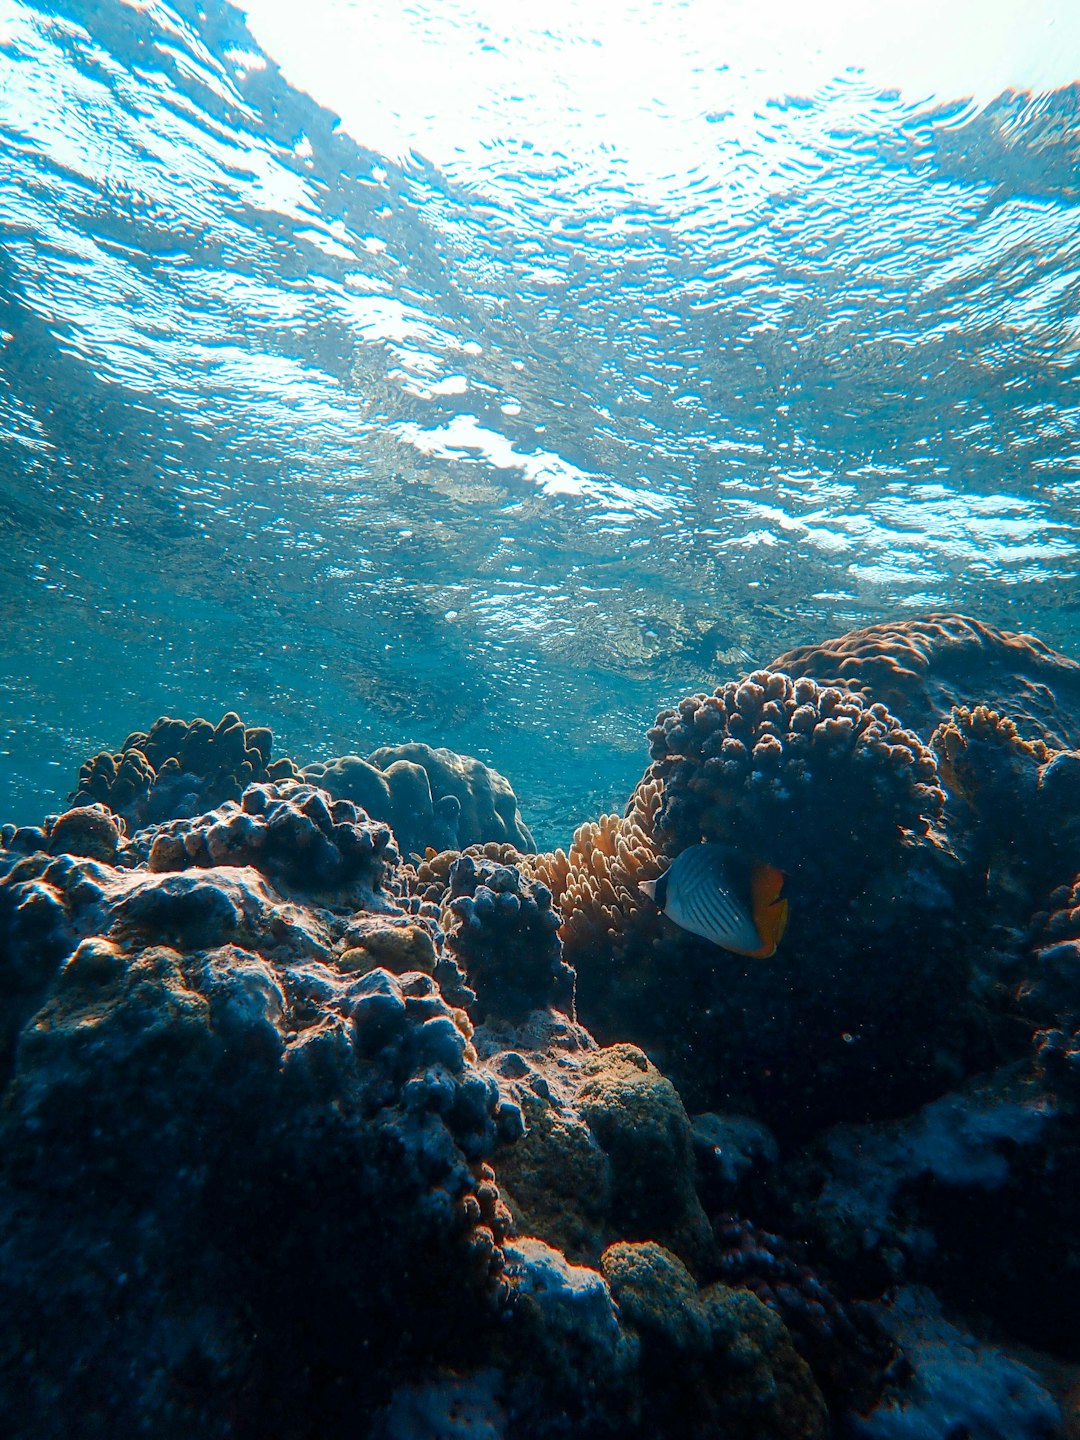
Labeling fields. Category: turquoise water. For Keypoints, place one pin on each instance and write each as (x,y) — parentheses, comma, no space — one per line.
(507,453)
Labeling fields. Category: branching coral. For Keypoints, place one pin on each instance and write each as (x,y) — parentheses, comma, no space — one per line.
(501,929)
(792,773)
(596,885)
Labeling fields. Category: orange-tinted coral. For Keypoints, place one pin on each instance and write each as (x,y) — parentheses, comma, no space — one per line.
(922,667)
(969,737)
(595,884)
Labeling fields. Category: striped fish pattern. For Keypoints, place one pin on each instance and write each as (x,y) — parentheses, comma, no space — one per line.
(698,892)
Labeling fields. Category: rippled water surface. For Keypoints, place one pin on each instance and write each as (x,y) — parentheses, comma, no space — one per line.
(505,447)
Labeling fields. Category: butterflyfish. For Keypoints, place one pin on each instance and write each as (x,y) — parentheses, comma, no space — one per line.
(706,891)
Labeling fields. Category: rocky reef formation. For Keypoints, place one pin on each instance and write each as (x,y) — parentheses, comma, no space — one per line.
(198,1074)
(433,798)
(329,1109)
(177,768)
(922,667)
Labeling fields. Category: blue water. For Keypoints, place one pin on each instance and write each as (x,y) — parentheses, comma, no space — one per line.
(503,455)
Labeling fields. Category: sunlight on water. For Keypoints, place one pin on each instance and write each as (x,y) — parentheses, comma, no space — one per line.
(636,88)
(540,368)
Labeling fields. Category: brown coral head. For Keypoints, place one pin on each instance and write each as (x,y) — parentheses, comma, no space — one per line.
(793,773)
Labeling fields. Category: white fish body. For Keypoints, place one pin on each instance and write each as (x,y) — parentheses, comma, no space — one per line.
(696,893)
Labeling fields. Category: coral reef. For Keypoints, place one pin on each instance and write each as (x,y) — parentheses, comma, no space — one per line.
(715,1360)
(848,1352)
(989,1169)
(195,1072)
(177,768)
(607,1150)
(431,798)
(1014,806)
(847,802)
(301,1137)
(501,930)
(596,885)
(298,836)
(922,667)
(1049,991)
(752,764)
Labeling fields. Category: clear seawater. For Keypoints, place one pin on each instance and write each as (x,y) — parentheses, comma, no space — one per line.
(505,444)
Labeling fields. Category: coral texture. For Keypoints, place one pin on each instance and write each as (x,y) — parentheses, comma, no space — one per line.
(788,770)
(294,833)
(501,929)
(959,1386)
(991,1168)
(300,1138)
(431,798)
(922,667)
(1049,991)
(850,1355)
(179,768)
(196,1074)
(1015,805)
(717,1361)
(607,1151)
(596,884)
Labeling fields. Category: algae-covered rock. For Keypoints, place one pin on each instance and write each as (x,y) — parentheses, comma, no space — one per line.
(714,1361)
(640,1124)
(607,1152)
(225,1160)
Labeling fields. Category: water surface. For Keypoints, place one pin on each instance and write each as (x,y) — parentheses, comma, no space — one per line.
(504,449)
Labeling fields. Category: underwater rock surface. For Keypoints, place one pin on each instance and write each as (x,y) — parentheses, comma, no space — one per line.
(300,1137)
